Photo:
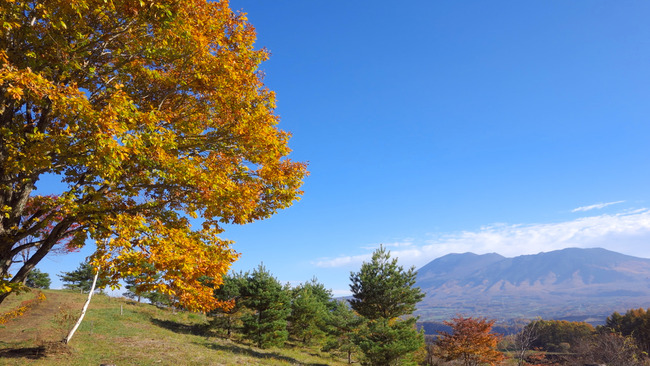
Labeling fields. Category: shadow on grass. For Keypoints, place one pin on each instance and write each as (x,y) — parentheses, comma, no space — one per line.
(36,353)
(241,350)
(176,327)
(31,353)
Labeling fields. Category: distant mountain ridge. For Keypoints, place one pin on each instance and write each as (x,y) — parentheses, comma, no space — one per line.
(568,282)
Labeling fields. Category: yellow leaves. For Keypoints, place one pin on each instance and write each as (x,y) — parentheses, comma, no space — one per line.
(5,286)
(10,25)
(15,92)
(15,287)
(161,119)
(145,248)
(22,308)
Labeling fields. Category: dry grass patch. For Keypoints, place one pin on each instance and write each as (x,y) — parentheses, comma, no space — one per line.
(122,332)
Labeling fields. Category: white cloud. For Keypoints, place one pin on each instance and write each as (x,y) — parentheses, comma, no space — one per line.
(594,207)
(627,232)
(398,244)
(341,261)
(356,260)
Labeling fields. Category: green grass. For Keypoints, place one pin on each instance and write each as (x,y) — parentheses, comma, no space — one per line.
(121,332)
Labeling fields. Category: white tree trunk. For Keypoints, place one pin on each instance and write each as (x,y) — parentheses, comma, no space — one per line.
(83,311)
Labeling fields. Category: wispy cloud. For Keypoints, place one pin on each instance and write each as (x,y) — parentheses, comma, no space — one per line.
(627,232)
(341,261)
(595,207)
(398,244)
(355,260)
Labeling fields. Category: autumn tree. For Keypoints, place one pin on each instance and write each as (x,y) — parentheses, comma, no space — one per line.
(150,113)
(383,293)
(38,279)
(634,323)
(270,305)
(470,342)
(28,245)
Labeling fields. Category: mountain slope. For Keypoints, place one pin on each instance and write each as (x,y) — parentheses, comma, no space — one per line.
(559,283)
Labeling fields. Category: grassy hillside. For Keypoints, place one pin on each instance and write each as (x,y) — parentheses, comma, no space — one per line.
(121,332)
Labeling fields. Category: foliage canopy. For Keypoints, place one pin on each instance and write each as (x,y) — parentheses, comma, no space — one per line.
(634,323)
(551,334)
(152,113)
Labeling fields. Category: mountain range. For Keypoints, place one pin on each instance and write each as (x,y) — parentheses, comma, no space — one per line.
(570,283)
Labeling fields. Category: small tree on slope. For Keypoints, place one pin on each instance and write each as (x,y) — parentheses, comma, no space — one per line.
(81,278)
(384,294)
(270,303)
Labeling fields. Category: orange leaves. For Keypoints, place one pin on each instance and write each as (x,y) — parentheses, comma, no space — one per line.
(180,257)
(152,113)
(470,341)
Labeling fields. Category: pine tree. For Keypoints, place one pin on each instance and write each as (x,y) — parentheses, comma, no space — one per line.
(159,299)
(384,294)
(390,343)
(228,319)
(131,289)
(308,311)
(270,304)
(81,278)
(342,325)
(38,279)
(320,292)
(139,286)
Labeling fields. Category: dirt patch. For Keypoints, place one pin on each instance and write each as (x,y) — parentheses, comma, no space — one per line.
(37,324)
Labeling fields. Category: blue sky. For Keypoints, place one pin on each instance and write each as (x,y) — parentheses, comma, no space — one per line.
(437,127)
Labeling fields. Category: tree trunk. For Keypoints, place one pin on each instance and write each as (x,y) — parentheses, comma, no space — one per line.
(83,311)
